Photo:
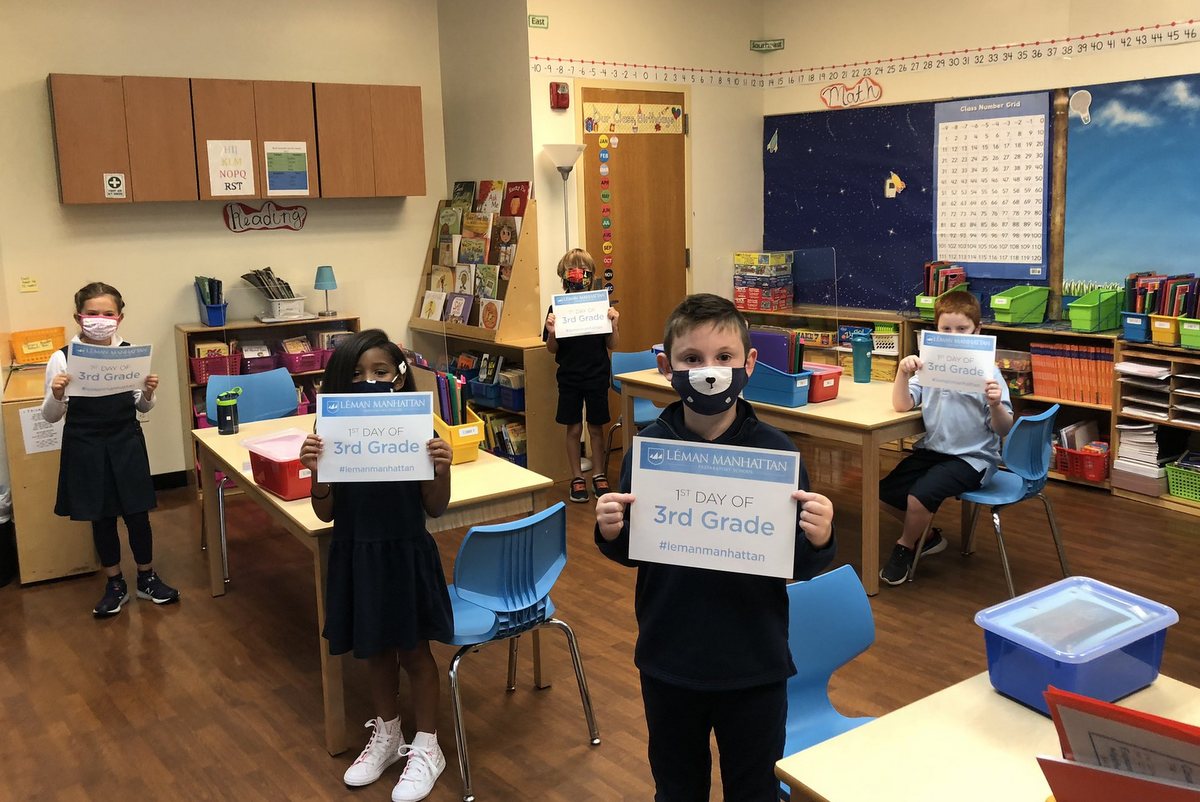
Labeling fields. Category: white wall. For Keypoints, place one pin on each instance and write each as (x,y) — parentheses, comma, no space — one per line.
(151,251)
(724,146)
(858,30)
(484,57)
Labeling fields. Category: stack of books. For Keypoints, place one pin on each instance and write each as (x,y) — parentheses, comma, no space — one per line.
(1072,372)
(781,348)
(1144,451)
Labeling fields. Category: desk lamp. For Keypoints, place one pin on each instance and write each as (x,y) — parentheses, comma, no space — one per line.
(325,281)
(564,158)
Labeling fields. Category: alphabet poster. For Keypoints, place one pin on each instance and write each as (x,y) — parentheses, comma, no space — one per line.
(230,167)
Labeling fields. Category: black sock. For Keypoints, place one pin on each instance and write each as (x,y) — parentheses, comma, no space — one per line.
(143,574)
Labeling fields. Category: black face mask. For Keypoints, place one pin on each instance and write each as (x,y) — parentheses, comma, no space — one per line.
(373,387)
(709,391)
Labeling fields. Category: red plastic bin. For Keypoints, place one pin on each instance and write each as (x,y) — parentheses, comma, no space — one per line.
(1081,464)
(825,381)
(259,364)
(302,363)
(274,467)
(205,366)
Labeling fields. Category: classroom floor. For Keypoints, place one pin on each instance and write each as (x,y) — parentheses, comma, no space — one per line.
(220,699)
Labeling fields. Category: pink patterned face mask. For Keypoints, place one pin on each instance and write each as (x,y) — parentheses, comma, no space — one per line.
(98,328)
(577,280)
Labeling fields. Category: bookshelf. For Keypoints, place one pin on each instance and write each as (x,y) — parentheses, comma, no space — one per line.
(188,334)
(827,319)
(518,338)
(1184,380)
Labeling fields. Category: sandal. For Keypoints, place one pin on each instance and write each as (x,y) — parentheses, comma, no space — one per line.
(600,484)
(579,493)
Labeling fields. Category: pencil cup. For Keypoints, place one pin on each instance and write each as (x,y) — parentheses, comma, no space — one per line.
(213,314)
(861,344)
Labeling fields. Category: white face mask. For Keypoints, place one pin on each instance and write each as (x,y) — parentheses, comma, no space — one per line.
(98,328)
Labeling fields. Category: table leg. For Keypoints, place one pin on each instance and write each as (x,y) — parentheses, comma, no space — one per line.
(870,515)
(628,429)
(333,687)
(211,521)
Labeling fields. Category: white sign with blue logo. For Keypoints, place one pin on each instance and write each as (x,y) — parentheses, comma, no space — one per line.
(375,437)
(963,362)
(107,369)
(724,508)
(579,313)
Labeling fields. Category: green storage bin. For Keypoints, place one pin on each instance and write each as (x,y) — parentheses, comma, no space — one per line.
(1024,304)
(927,303)
(1189,332)
(1099,310)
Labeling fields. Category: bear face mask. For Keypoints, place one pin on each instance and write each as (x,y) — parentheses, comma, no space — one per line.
(709,391)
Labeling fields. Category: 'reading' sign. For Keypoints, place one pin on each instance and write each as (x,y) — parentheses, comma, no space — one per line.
(239,217)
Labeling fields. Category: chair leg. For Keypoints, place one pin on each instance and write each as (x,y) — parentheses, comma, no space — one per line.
(968,541)
(512,664)
(611,431)
(1012,593)
(584,695)
(1062,554)
(203,533)
(539,681)
(912,569)
(221,519)
(460,735)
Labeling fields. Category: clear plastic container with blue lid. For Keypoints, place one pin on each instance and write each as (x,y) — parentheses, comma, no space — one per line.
(1078,634)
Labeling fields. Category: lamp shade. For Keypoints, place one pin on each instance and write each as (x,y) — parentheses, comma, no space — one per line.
(325,279)
(564,156)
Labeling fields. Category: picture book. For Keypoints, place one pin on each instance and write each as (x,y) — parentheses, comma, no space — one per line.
(489,313)
(516,197)
(431,306)
(464,279)
(487,280)
(447,254)
(477,225)
(504,241)
(442,279)
(489,195)
(458,308)
(463,196)
(472,251)
(296,345)
(450,220)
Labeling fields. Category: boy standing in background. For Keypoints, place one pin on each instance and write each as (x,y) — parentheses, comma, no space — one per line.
(960,449)
(583,375)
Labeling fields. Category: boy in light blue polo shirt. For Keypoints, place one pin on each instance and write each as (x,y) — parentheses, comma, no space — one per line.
(960,449)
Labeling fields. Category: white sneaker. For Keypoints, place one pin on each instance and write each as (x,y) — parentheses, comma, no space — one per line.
(382,751)
(425,765)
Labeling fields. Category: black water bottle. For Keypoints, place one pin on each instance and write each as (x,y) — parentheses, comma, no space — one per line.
(227,412)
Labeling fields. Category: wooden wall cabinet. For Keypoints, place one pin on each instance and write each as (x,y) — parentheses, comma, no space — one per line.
(90,139)
(162,151)
(370,141)
(283,112)
(223,109)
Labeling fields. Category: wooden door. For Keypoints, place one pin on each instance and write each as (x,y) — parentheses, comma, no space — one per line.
(283,112)
(223,109)
(399,140)
(88,117)
(162,147)
(635,204)
(345,150)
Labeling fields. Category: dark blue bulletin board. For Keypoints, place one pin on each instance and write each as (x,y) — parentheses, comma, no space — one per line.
(824,177)
(1133,179)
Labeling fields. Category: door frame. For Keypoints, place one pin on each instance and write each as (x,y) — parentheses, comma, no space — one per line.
(580,195)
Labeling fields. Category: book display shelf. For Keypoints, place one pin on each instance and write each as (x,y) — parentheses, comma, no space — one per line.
(1176,404)
(517,337)
(306,368)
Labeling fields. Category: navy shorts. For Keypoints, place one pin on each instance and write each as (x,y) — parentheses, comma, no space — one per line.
(571,401)
(930,477)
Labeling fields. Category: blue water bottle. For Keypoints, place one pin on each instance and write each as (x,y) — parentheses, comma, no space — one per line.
(861,344)
(227,411)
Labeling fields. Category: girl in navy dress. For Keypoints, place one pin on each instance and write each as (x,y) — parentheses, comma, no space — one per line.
(103,468)
(385,595)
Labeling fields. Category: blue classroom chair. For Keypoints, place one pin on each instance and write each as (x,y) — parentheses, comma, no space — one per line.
(644,411)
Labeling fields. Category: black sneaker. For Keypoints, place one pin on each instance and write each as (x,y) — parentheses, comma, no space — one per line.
(899,564)
(934,544)
(116,593)
(149,586)
(579,492)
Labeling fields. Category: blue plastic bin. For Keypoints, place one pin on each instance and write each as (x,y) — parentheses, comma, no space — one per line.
(1077,634)
(771,386)
(512,399)
(485,394)
(1136,326)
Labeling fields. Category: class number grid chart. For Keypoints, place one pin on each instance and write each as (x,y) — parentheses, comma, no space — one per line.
(991,185)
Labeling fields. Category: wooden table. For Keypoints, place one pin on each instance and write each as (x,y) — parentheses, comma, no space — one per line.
(482,490)
(965,742)
(861,416)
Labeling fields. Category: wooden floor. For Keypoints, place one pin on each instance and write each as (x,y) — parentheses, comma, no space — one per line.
(220,699)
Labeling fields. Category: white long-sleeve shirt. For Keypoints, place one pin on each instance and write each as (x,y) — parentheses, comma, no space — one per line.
(53,409)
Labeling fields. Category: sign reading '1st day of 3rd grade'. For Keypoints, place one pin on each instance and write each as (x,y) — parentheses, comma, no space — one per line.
(719,507)
(579,313)
(962,362)
(375,437)
(98,370)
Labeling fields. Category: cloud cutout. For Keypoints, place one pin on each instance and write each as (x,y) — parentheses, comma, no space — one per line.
(1178,93)
(1116,114)
(1132,89)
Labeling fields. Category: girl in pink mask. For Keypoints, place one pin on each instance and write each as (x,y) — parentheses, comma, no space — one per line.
(104,471)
